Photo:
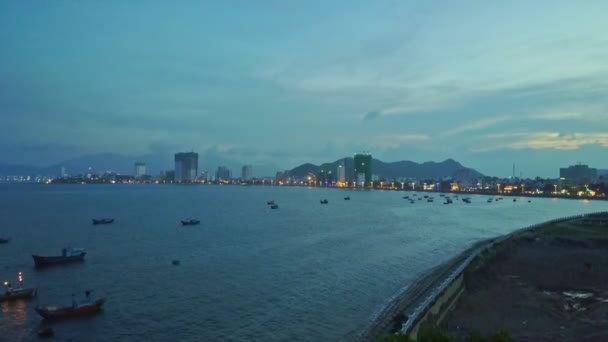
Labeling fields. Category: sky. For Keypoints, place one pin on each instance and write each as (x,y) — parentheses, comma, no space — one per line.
(487,83)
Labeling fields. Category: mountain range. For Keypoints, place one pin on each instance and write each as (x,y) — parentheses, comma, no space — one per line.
(448,168)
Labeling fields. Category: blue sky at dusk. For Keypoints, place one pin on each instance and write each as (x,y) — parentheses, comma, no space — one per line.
(283,82)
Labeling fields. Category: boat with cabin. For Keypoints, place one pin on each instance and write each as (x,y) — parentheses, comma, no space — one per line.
(68,255)
(324,201)
(12,293)
(77,309)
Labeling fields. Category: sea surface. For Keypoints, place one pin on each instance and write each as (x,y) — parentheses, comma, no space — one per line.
(304,272)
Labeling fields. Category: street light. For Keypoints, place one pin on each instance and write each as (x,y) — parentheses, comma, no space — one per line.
(402,185)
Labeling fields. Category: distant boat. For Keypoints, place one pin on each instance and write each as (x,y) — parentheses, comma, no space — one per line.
(191,222)
(274,206)
(529,201)
(270,202)
(17,293)
(347,198)
(515,200)
(77,309)
(4,240)
(67,255)
(324,201)
(103,221)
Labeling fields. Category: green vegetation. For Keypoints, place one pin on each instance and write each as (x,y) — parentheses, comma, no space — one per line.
(578,231)
(435,335)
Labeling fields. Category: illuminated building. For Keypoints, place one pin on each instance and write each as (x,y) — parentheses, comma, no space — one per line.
(222,174)
(578,174)
(363,168)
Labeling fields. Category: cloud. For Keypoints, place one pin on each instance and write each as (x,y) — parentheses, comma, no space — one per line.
(397,140)
(542,141)
(372,116)
(475,125)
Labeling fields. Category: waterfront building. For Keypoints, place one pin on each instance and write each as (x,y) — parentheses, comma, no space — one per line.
(578,175)
(140,169)
(222,174)
(186,167)
(363,165)
(204,176)
(63,173)
(247,173)
(341,173)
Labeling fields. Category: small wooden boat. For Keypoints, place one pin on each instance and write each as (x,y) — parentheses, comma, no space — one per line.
(4,240)
(46,332)
(274,206)
(270,202)
(85,308)
(191,222)
(68,255)
(324,201)
(103,221)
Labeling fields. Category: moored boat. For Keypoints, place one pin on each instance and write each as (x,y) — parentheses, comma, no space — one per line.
(324,201)
(274,206)
(17,293)
(67,255)
(4,240)
(270,202)
(77,309)
(347,198)
(103,221)
(191,222)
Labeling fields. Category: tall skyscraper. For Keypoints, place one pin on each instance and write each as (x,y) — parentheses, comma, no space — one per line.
(363,168)
(247,173)
(140,169)
(222,174)
(64,172)
(186,167)
(578,174)
(341,173)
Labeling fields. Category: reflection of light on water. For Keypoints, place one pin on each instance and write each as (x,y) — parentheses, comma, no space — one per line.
(14,312)
(585,201)
(20,312)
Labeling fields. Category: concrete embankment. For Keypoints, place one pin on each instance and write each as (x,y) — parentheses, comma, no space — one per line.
(429,300)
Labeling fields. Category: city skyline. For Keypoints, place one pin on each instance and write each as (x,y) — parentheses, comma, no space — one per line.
(487,84)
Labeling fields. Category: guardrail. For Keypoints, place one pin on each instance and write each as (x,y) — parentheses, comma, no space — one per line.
(419,311)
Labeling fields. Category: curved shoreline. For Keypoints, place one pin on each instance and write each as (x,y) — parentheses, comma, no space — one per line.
(412,303)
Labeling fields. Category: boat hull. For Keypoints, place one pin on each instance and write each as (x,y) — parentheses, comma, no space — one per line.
(190,223)
(56,313)
(4,240)
(42,261)
(20,294)
(103,221)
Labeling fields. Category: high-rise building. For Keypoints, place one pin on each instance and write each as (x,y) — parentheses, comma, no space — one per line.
(341,173)
(247,173)
(140,169)
(186,167)
(222,174)
(205,176)
(578,174)
(363,168)
(64,172)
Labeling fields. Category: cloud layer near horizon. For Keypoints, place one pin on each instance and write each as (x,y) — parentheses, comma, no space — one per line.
(488,84)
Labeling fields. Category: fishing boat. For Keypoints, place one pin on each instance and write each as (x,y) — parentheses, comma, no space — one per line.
(77,309)
(191,222)
(17,293)
(4,240)
(103,221)
(274,206)
(67,255)
(270,202)
(347,198)
(324,201)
